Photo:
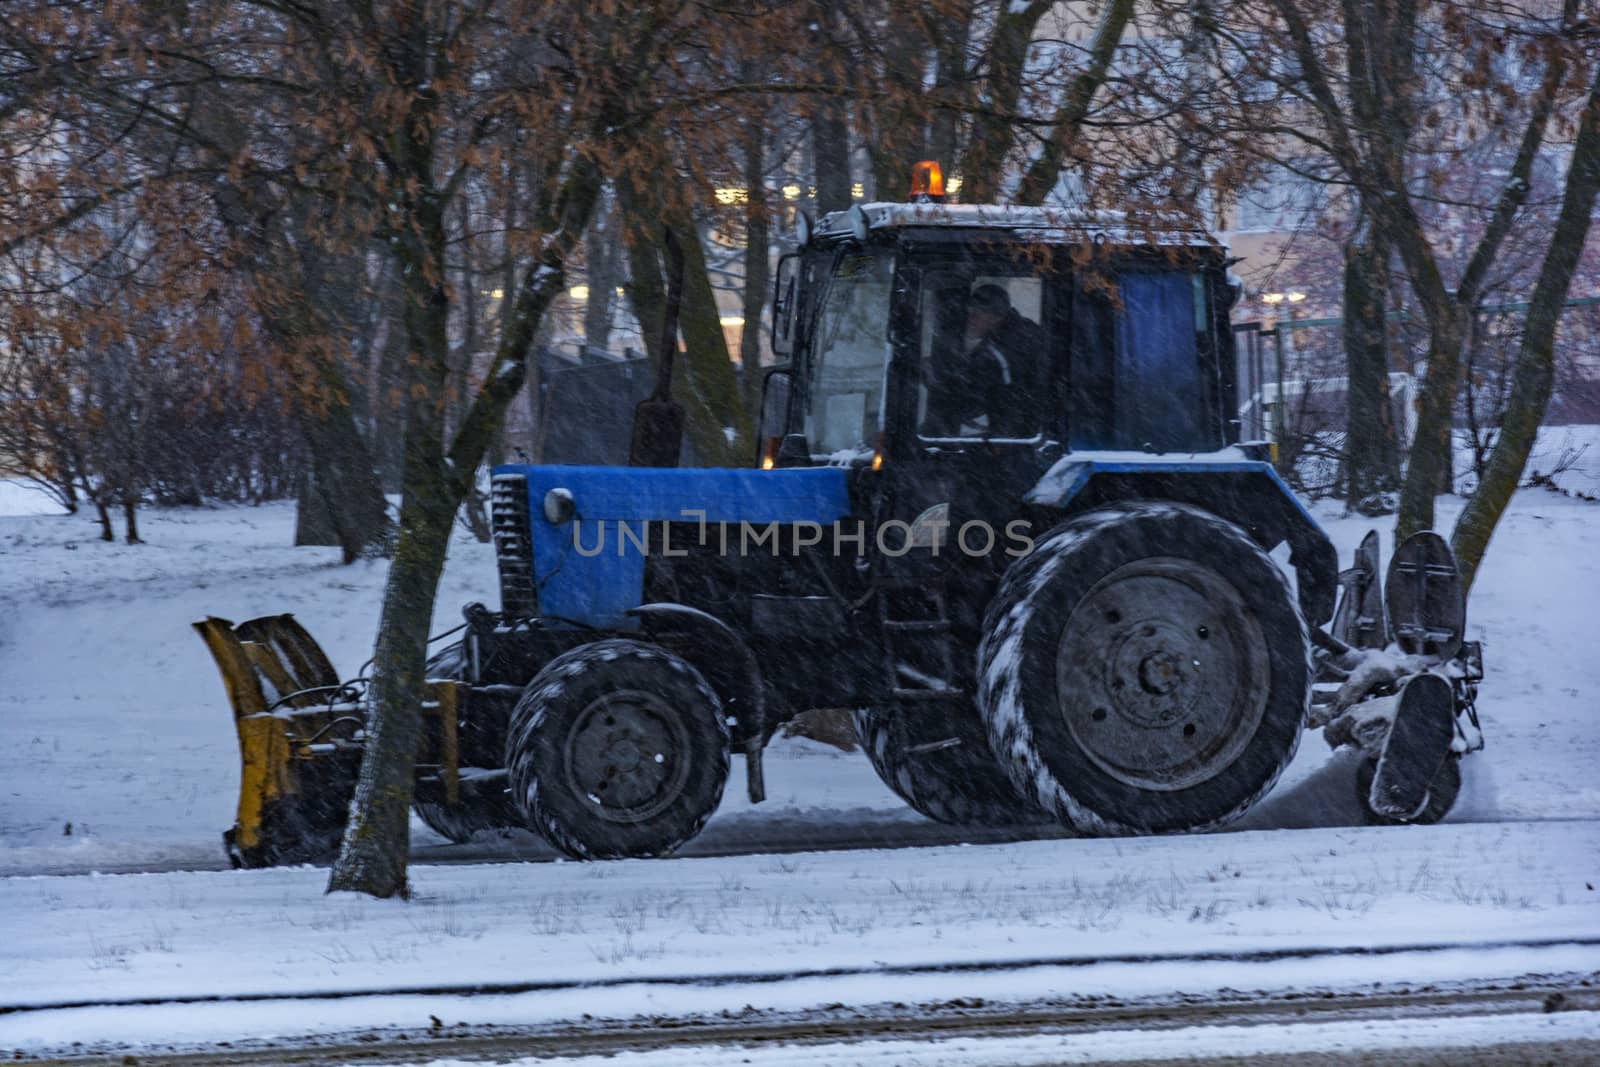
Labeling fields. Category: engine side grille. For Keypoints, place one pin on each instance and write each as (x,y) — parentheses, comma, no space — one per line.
(513,546)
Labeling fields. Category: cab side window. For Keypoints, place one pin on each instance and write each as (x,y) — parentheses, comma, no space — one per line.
(1140,342)
(987,343)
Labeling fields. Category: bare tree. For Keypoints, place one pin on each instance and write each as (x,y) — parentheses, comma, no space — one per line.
(1535,367)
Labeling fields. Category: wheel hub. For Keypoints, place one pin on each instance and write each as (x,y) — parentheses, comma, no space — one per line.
(1162,674)
(624,755)
(1145,675)
(1159,673)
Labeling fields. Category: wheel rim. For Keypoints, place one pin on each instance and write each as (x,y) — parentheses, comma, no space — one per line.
(626,755)
(1162,674)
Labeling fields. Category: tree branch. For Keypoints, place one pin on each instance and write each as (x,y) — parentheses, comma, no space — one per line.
(1069,118)
(1519,182)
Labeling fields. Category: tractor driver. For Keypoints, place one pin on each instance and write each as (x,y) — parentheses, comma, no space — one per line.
(995,386)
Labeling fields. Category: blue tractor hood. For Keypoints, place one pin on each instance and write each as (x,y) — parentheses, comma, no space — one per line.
(590,570)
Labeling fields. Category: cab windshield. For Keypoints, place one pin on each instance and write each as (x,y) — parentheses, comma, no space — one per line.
(850,358)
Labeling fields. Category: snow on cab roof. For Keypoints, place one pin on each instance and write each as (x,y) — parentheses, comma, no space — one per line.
(1042,222)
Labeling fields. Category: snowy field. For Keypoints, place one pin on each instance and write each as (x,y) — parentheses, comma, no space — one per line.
(122,757)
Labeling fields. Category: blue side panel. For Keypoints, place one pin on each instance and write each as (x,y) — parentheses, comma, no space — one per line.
(588,571)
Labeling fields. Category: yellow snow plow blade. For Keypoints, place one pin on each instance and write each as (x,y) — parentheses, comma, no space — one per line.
(300,733)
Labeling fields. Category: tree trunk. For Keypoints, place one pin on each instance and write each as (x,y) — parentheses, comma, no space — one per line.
(377,839)
(647,295)
(130,520)
(103,513)
(342,477)
(982,166)
(710,373)
(953,33)
(704,381)
(1045,171)
(600,256)
(1428,465)
(531,448)
(294,280)
(388,423)
(475,506)
(1535,366)
(757,267)
(828,121)
(313,522)
(1388,107)
(898,122)
(830,145)
(373,856)
(1371,453)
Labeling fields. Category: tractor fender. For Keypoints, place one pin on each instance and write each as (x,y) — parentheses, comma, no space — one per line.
(1228,484)
(713,648)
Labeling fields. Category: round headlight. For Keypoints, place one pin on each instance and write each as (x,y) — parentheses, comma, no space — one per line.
(558,506)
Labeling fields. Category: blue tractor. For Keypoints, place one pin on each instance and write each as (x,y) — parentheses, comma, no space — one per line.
(1001,513)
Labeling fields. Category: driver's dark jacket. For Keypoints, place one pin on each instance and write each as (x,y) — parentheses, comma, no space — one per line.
(1000,377)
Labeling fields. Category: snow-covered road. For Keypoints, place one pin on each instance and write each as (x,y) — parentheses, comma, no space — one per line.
(1544,1021)
(1320,909)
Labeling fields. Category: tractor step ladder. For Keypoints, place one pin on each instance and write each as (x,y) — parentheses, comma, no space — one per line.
(928,618)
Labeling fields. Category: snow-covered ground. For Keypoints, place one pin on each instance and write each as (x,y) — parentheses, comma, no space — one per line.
(1119,918)
(121,755)
(1392,1041)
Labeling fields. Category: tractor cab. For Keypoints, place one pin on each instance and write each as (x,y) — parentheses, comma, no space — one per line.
(922,329)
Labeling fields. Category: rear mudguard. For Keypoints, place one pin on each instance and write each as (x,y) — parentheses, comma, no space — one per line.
(1246,492)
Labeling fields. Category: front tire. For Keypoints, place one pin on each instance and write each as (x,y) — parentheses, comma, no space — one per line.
(617,748)
(1144,670)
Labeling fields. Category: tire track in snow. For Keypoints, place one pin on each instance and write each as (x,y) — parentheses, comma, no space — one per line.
(1269,955)
(751,1030)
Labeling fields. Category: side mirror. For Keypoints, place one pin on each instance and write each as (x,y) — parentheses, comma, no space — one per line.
(786,305)
(774,420)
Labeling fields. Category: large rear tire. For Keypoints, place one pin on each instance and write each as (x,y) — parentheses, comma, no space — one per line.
(1145,669)
(617,748)
(957,783)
